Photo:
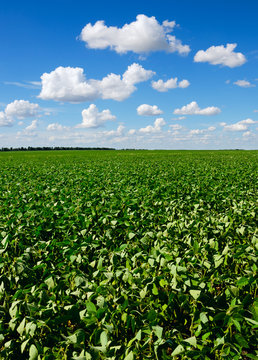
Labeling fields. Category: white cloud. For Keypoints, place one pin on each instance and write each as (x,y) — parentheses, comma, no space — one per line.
(32,126)
(179,118)
(135,74)
(176,127)
(5,120)
(158,124)
(183,84)
(26,84)
(248,121)
(131,132)
(247,134)
(56,127)
(240,125)
(69,84)
(202,131)
(172,83)
(243,83)
(148,110)
(92,118)
(28,132)
(141,36)
(236,127)
(21,109)
(66,84)
(221,55)
(196,131)
(118,132)
(193,109)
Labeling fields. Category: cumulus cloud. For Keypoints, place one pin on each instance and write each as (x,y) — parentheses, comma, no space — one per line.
(131,132)
(32,126)
(194,109)
(158,124)
(247,134)
(202,131)
(236,127)
(118,132)
(221,55)
(141,36)
(70,84)
(21,109)
(172,83)
(248,121)
(196,131)
(5,120)
(243,83)
(56,127)
(148,110)
(93,118)
(240,125)
(18,109)
(135,74)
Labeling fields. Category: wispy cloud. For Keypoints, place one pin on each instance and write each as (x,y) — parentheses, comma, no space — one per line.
(244,83)
(26,84)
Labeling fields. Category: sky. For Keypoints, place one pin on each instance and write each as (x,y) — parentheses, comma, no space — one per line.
(143,74)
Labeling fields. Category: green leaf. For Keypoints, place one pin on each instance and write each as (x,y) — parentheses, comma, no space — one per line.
(72,338)
(91,308)
(203,318)
(178,350)
(218,260)
(192,341)
(158,331)
(138,336)
(195,293)
(33,353)
(143,292)
(21,327)
(103,339)
(242,282)
(130,356)
(23,345)
(155,290)
(241,341)
(241,230)
(83,232)
(250,356)
(131,235)
(252,321)
(237,325)
(151,315)
(50,283)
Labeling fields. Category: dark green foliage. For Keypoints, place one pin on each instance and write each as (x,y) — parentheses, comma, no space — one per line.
(128,255)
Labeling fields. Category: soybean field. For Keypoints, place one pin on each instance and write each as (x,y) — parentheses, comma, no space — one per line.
(128,255)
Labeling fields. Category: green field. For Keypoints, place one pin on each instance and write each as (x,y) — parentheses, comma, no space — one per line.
(128,255)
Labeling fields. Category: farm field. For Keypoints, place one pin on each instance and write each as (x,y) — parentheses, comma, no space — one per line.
(128,255)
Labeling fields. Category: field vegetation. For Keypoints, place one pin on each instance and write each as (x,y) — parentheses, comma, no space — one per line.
(128,255)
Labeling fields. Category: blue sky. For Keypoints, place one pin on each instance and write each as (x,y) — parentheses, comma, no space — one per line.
(139,74)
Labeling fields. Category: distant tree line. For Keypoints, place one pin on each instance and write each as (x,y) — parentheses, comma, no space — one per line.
(46,148)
